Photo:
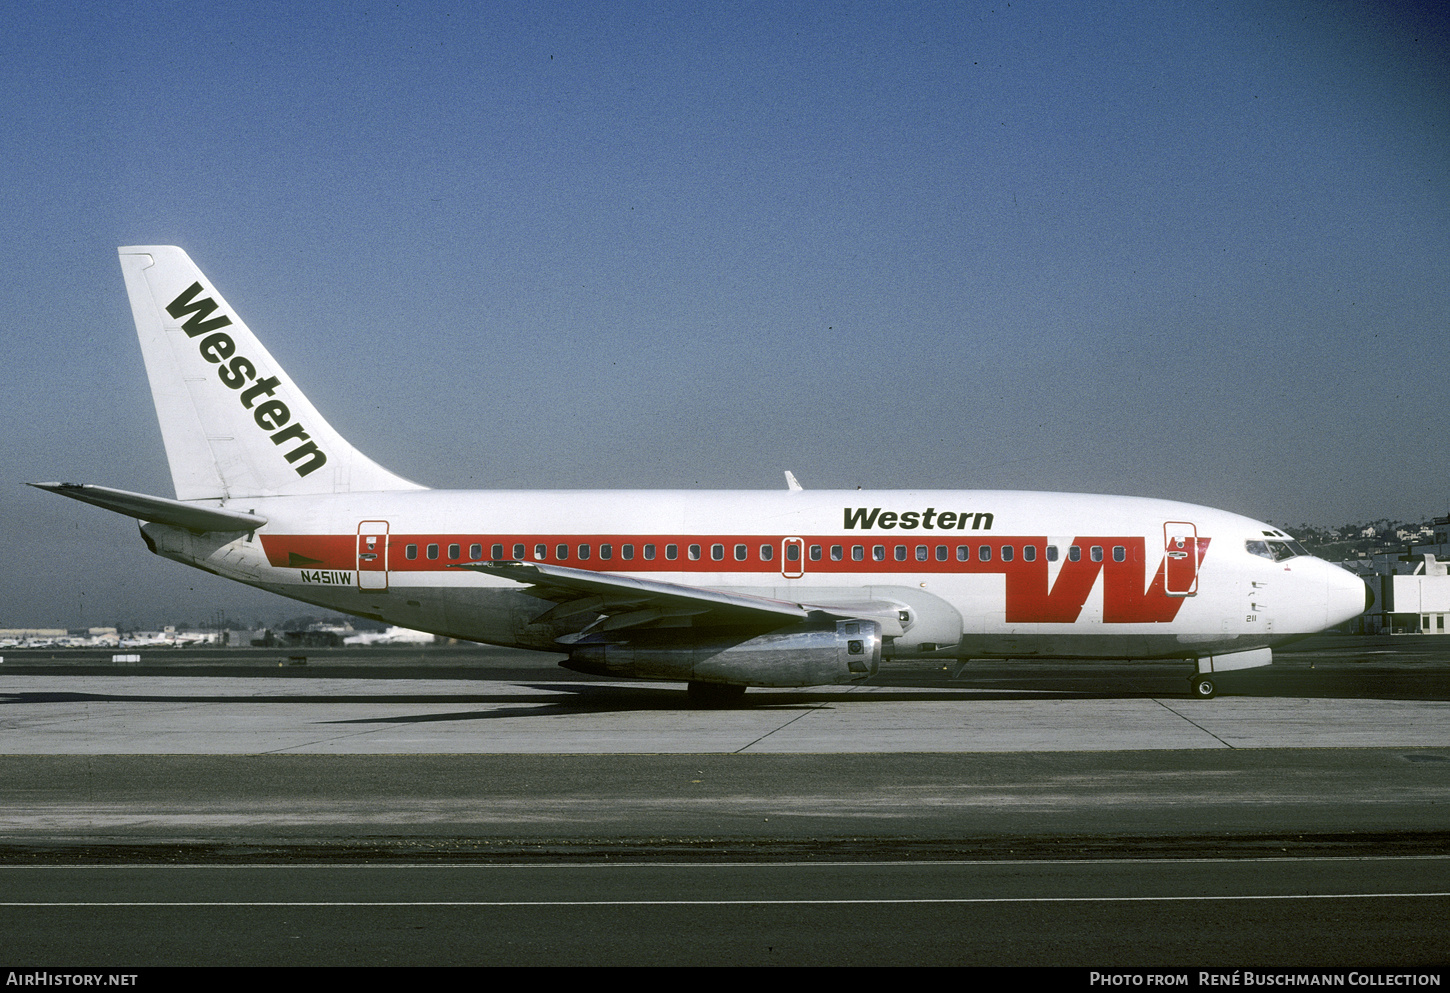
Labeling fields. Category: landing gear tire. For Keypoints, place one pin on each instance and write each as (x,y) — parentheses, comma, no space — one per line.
(1202,688)
(714,696)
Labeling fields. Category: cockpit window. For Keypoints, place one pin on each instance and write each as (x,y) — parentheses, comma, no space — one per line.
(1275,551)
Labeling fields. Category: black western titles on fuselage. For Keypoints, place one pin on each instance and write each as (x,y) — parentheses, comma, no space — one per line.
(235,371)
(930,519)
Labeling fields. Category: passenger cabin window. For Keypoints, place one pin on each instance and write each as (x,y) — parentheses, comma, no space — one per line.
(984,553)
(561,552)
(878,553)
(901,553)
(606,551)
(964,554)
(717,552)
(792,552)
(1097,553)
(815,553)
(672,552)
(767,552)
(432,551)
(941,553)
(1029,553)
(694,553)
(583,551)
(1120,553)
(649,553)
(1074,554)
(858,553)
(453,551)
(410,551)
(741,553)
(541,552)
(1007,553)
(497,552)
(921,553)
(1052,553)
(475,551)
(519,551)
(837,552)
(626,552)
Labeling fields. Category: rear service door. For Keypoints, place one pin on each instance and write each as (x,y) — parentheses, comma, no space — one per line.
(372,555)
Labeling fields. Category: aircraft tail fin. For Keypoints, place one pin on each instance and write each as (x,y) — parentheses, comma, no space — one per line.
(234,423)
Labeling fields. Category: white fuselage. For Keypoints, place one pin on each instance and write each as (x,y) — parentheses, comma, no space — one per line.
(973,573)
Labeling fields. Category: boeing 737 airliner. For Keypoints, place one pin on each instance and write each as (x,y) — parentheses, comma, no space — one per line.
(722,590)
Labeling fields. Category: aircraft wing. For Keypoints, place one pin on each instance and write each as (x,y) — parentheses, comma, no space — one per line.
(630,602)
(157,509)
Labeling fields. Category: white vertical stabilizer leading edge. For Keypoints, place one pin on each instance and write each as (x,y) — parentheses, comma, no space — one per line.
(234,423)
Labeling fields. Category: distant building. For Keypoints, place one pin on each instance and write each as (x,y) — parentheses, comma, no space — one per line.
(1412,590)
(34,632)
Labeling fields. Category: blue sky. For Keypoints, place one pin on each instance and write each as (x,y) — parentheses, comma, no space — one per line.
(1169,249)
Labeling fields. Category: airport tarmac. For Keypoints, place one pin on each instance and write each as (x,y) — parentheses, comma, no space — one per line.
(1313,795)
(228,715)
(1334,693)
(1344,735)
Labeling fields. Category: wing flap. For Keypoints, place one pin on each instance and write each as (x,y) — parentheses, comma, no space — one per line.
(628,601)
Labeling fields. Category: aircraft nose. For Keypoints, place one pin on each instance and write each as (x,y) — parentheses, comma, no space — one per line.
(1348,595)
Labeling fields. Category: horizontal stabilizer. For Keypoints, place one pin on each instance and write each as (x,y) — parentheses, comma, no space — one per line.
(159,510)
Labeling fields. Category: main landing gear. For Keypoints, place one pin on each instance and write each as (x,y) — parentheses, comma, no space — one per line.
(714,696)
(1201,686)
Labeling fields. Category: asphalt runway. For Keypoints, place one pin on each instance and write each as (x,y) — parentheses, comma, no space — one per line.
(476,806)
(1047,913)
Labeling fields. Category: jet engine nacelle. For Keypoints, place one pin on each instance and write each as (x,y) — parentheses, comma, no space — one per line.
(810,654)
